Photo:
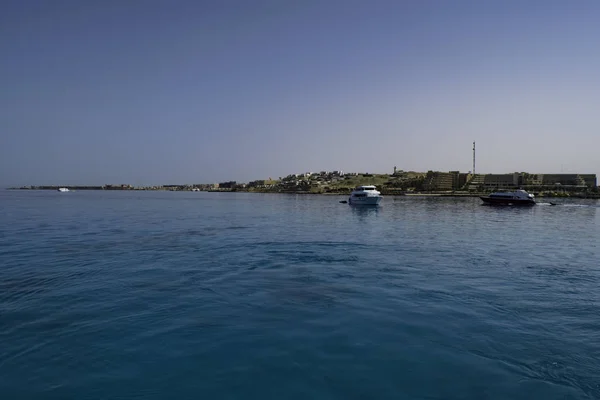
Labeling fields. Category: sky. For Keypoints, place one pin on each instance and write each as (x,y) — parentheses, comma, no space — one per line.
(149,92)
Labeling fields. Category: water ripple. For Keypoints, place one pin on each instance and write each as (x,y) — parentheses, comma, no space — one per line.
(232,295)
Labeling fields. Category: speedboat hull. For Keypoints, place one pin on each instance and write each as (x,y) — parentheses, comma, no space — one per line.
(507,202)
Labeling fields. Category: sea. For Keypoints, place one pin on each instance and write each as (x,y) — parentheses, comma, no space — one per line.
(198,295)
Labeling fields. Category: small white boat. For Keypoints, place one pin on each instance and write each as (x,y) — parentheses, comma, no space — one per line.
(366,195)
(516,198)
(63,189)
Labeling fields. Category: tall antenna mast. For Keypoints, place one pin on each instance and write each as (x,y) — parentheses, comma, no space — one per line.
(473,158)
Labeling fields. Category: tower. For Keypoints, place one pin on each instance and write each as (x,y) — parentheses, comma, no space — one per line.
(473,158)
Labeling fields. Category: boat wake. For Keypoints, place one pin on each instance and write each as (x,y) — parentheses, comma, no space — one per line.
(567,205)
(580,205)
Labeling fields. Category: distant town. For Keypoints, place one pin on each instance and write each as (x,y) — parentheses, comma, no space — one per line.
(399,182)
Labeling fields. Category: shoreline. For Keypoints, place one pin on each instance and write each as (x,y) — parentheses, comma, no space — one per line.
(565,195)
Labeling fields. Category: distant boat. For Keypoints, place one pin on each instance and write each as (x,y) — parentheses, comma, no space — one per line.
(365,195)
(63,189)
(516,198)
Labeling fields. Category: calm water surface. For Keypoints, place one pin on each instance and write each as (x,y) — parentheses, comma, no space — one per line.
(161,295)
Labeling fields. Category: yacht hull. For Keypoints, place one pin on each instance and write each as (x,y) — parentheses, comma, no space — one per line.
(507,202)
(365,201)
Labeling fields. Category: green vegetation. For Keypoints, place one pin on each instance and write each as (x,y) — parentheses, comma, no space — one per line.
(351,181)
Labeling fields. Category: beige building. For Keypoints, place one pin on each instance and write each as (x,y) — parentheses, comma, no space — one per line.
(496,181)
(580,180)
(453,180)
(522,179)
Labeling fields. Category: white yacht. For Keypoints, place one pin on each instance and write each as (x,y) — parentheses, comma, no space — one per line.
(365,195)
(63,189)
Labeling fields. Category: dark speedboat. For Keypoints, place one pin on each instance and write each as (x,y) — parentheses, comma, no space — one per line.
(516,198)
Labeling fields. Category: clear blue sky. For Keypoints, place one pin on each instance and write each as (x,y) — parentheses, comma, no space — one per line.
(153,92)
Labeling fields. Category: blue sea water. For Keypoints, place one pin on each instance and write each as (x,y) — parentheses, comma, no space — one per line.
(161,295)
